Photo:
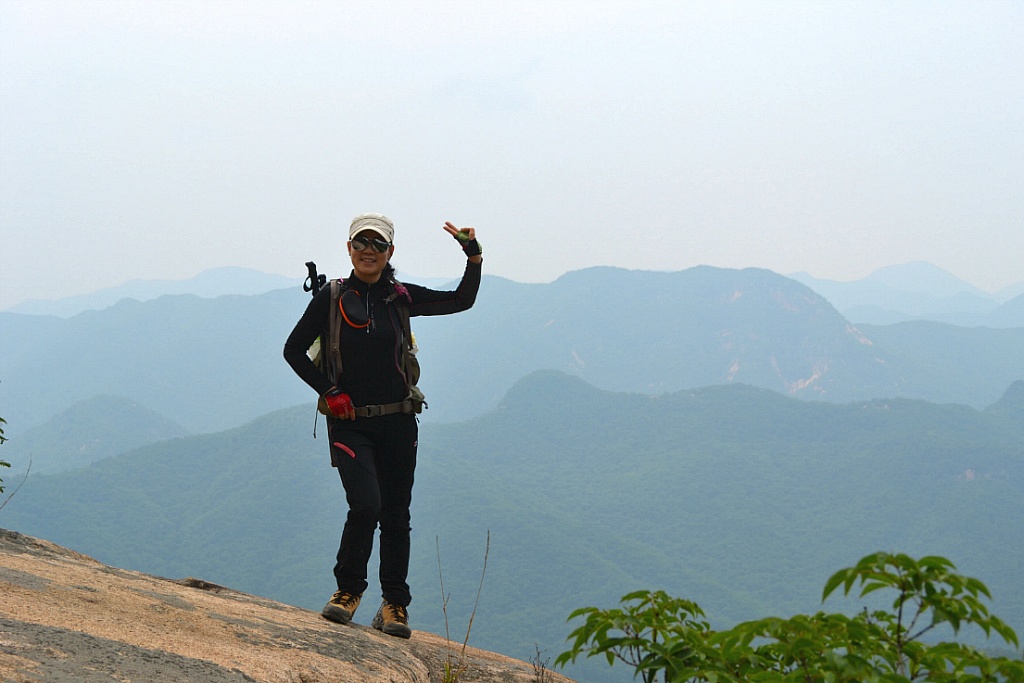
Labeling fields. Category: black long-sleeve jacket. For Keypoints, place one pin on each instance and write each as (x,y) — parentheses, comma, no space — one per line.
(371,358)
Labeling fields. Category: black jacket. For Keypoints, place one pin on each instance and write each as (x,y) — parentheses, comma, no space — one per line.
(372,370)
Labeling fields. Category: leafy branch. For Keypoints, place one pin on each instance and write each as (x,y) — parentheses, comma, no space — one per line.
(659,635)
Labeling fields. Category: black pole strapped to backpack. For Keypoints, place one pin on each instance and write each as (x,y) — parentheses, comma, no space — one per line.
(313,281)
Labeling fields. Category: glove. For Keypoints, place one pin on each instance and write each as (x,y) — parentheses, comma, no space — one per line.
(340,404)
(470,246)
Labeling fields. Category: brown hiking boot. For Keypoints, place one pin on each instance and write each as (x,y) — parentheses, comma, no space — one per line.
(392,620)
(341,607)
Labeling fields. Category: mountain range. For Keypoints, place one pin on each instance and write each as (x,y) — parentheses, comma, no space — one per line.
(736,497)
(209,284)
(228,280)
(920,291)
(210,364)
(911,291)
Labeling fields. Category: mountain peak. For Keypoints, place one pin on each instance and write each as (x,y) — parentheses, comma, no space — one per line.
(123,625)
(923,277)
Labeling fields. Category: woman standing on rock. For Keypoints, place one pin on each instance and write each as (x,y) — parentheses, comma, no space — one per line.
(371,406)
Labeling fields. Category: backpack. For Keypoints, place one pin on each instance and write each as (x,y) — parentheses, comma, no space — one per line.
(327,356)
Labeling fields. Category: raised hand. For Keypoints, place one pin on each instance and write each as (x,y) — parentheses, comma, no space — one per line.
(466,237)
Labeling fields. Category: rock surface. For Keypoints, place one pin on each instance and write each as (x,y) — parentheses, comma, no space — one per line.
(64,617)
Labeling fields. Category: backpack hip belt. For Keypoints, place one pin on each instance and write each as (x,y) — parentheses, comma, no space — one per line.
(405,406)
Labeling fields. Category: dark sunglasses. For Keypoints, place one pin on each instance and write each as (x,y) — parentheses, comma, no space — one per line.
(361,243)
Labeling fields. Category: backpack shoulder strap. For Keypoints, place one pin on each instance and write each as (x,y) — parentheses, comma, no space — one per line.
(334,332)
(403,317)
(410,366)
(402,304)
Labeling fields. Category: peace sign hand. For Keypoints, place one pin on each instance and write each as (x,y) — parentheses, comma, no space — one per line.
(466,237)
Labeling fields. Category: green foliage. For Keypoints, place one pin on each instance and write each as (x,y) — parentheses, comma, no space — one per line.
(659,635)
(653,632)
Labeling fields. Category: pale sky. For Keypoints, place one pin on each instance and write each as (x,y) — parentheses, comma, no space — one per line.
(156,139)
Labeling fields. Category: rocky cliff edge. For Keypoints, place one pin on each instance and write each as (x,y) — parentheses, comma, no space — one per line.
(64,617)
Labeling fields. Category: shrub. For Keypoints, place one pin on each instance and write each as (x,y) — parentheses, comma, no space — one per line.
(662,636)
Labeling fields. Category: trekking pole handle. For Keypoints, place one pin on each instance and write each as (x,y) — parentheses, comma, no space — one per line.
(313,281)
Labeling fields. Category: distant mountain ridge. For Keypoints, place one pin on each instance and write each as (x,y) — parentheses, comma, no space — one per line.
(209,364)
(228,280)
(920,291)
(212,283)
(922,277)
(911,291)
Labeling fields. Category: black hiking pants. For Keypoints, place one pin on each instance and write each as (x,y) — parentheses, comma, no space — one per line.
(376,458)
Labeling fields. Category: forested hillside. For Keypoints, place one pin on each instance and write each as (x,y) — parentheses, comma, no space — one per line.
(736,497)
(90,430)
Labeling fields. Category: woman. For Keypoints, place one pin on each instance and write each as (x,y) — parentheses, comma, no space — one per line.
(371,419)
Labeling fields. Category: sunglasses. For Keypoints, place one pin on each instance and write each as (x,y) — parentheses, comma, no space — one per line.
(361,243)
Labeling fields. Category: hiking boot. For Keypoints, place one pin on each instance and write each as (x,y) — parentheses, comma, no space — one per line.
(341,607)
(392,620)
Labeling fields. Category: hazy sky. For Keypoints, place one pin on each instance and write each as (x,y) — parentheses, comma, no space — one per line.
(159,139)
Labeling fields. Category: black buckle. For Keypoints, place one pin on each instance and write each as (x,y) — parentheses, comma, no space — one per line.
(374,411)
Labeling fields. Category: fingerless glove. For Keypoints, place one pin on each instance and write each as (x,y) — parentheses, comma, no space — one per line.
(338,402)
(470,246)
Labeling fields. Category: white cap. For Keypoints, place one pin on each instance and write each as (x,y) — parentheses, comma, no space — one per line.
(376,222)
